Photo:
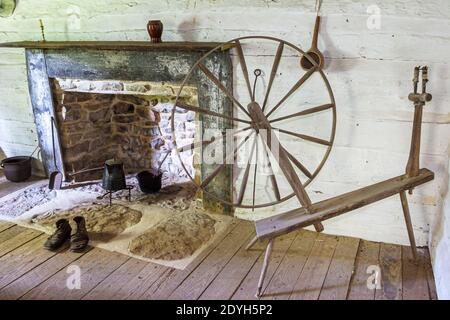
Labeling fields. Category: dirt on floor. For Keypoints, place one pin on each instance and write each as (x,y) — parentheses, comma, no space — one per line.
(103,222)
(175,237)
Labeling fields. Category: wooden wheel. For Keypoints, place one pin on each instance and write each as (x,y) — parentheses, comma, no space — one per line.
(254,113)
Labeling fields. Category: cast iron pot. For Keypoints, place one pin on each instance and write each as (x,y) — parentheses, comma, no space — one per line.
(149,181)
(17,169)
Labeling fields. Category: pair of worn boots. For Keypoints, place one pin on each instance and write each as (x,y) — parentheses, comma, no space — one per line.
(78,241)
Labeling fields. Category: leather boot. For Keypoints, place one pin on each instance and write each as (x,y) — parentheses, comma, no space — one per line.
(60,236)
(80,239)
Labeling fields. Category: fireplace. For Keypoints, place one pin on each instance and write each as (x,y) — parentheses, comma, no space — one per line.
(116,103)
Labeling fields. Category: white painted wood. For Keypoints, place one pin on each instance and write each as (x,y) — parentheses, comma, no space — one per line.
(369,70)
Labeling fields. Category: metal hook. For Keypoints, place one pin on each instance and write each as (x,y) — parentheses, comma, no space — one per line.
(257,73)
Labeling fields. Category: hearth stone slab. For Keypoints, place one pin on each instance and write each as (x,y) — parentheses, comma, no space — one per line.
(175,237)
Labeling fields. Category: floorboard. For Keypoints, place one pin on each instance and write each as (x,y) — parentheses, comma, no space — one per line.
(283,281)
(39,274)
(15,237)
(229,279)
(430,276)
(5,225)
(304,265)
(94,266)
(391,273)
(247,289)
(118,279)
(366,264)
(337,280)
(414,276)
(18,262)
(309,284)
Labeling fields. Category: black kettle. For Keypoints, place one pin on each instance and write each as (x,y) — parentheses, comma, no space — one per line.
(113,176)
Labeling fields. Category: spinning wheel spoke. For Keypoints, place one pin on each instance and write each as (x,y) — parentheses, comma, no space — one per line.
(244,67)
(254,176)
(304,112)
(275,65)
(246,174)
(209,112)
(273,179)
(298,164)
(305,137)
(223,165)
(294,88)
(221,87)
(195,145)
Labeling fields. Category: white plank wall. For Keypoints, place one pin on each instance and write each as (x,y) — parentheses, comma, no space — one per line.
(370,72)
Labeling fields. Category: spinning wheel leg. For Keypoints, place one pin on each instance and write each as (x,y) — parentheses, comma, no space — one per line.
(264,268)
(251,243)
(409,227)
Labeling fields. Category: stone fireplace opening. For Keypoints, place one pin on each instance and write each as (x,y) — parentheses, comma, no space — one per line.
(125,120)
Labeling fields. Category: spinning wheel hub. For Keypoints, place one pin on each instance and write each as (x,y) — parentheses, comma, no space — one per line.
(259,120)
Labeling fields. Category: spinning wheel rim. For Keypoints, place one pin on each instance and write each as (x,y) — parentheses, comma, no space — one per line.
(330,140)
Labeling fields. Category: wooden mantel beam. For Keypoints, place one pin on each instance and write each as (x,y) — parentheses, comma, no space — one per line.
(117,45)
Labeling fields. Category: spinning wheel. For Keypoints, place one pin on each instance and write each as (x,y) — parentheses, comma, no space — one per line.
(258,117)
(258,123)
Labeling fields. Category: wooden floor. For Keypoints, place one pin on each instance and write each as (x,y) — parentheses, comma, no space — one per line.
(304,265)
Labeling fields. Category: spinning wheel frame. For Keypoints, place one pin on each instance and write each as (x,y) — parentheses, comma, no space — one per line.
(235,102)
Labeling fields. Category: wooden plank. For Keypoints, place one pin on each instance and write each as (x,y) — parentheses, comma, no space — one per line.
(290,268)
(340,271)
(15,237)
(139,284)
(172,278)
(115,281)
(205,273)
(430,275)
(18,262)
(5,225)
(117,45)
(229,279)
(391,273)
(329,208)
(313,275)
(368,255)
(95,266)
(39,274)
(247,288)
(414,276)
(11,232)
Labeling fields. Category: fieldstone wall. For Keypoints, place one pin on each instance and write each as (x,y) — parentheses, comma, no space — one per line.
(103,120)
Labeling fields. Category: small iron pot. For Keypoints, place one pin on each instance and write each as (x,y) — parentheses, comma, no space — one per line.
(113,176)
(149,181)
(17,169)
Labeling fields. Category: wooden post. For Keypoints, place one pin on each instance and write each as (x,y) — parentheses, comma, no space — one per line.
(409,226)
(251,243)
(413,166)
(264,267)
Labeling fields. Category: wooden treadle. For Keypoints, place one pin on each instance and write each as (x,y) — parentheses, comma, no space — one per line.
(291,220)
